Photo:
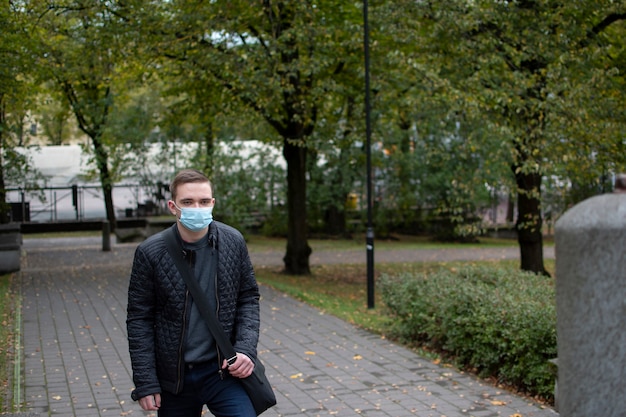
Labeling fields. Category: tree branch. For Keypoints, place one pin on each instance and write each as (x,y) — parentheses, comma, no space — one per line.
(601,26)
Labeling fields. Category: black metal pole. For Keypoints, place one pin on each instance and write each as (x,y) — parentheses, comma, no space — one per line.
(369,237)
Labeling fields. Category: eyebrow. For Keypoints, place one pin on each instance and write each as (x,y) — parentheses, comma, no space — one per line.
(186,200)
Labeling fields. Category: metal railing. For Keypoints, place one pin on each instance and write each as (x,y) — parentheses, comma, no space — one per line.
(83,202)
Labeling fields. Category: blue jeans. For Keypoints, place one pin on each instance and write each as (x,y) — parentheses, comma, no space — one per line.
(203,385)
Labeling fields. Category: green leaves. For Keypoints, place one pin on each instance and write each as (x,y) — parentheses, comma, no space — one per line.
(468,96)
(496,320)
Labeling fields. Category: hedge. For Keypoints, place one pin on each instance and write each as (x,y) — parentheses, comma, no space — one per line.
(498,322)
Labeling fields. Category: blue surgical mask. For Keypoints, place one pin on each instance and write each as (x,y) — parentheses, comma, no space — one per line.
(195,218)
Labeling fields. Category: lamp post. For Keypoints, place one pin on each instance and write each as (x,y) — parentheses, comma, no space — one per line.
(369,237)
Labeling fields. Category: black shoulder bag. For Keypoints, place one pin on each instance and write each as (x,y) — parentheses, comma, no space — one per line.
(256,385)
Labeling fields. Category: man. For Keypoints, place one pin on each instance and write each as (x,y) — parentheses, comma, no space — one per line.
(177,367)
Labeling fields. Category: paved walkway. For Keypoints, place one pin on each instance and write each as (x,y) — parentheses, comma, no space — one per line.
(75,353)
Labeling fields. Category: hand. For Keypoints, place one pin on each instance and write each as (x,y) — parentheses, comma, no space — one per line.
(150,402)
(242,368)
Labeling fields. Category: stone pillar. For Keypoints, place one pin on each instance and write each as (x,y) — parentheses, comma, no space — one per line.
(591,306)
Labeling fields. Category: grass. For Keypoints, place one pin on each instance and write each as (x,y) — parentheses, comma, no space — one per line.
(7,335)
(258,243)
(341,290)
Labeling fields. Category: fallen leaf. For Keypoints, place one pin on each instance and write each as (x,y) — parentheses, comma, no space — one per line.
(308,352)
(298,375)
(496,402)
(357,357)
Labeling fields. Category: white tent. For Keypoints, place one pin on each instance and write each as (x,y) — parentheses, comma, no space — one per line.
(60,165)
(65,166)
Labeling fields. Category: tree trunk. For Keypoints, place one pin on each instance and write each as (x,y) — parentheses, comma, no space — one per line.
(510,209)
(209,147)
(298,250)
(529,222)
(92,125)
(335,220)
(102,161)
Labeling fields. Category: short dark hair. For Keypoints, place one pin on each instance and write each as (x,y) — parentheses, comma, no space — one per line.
(186,176)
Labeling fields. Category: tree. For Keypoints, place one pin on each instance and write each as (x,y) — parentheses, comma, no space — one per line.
(55,117)
(504,62)
(593,110)
(82,48)
(15,88)
(436,166)
(336,164)
(277,58)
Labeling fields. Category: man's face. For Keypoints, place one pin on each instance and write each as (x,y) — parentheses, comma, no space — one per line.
(192,194)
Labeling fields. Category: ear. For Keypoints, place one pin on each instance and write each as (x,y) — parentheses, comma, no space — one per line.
(172,207)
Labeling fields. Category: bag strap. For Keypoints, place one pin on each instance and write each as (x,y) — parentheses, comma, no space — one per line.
(177,254)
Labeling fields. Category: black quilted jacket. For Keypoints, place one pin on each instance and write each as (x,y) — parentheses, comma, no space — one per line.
(159,305)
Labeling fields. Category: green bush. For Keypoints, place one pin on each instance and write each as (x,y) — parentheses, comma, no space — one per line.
(498,322)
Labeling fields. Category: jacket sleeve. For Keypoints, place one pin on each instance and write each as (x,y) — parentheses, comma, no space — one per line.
(140,326)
